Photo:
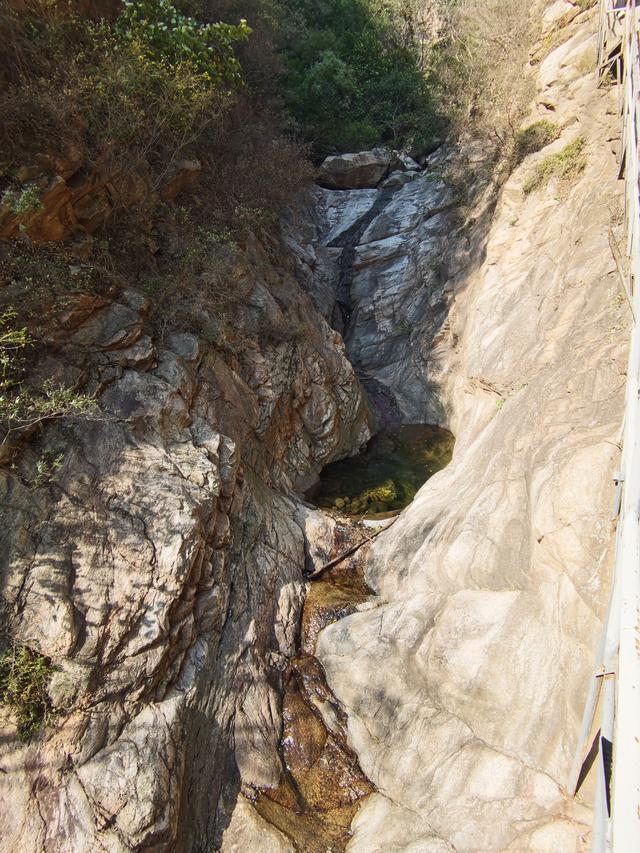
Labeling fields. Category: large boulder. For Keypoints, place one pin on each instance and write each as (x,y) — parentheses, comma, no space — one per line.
(354,171)
(558,15)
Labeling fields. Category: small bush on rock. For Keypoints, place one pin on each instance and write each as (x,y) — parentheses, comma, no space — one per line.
(24,679)
(23,201)
(533,138)
(22,406)
(565,166)
(13,342)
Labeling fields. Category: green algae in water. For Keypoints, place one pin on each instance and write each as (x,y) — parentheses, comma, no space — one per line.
(385,477)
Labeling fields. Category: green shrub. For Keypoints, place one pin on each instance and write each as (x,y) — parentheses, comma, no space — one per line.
(23,201)
(29,407)
(21,406)
(155,82)
(151,82)
(13,342)
(24,679)
(356,75)
(163,36)
(533,138)
(565,166)
(47,466)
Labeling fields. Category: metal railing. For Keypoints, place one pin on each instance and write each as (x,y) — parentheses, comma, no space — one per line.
(613,703)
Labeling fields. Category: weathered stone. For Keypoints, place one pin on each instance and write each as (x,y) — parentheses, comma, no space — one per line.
(569,61)
(558,15)
(398,179)
(182,174)
(403,163)
(161,569)
(464,684)
(318,531)
(248,831)
(393,324)
(354,171)
(165,586)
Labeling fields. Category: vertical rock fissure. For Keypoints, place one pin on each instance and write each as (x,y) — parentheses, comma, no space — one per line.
(348,241)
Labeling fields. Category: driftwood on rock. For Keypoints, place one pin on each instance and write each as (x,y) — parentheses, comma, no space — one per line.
(349,551)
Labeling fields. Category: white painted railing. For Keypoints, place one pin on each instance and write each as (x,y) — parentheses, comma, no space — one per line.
(612,713)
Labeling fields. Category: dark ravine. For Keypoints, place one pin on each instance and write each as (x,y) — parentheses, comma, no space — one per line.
(322,785)
(385,476)
(162,568)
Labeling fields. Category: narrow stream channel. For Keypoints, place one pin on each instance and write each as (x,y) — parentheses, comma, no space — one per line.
(322,784)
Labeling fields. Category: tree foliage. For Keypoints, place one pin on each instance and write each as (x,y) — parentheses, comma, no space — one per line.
(162,35)
(355,74)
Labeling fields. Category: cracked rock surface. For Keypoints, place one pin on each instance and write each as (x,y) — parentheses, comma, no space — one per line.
(160,569)
(465,683)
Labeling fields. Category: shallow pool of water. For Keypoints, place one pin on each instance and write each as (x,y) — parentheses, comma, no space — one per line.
(385,477)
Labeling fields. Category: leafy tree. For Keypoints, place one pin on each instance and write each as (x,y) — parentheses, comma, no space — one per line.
(165,36)
(355,74)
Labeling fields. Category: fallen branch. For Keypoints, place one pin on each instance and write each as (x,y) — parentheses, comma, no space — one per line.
(352,550)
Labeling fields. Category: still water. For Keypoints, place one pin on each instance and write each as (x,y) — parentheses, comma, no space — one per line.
(385,477)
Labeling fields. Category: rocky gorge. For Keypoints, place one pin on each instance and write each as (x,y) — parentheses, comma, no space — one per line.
(425,694)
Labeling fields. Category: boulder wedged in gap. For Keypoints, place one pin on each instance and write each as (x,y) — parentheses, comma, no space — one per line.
(361,170)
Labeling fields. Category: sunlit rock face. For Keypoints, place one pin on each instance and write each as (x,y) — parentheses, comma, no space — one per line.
(464,681)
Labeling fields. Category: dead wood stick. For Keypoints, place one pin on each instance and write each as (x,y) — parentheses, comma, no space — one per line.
(343,556)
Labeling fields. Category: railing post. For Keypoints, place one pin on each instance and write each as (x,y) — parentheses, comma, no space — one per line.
(617,808)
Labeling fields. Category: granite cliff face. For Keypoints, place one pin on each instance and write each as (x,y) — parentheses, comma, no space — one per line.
(464,679)
(161,568)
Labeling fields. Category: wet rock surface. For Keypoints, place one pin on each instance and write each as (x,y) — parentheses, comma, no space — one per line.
(322,785)
(384,477)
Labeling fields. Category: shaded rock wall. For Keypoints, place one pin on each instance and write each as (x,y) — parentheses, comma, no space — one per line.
(160,567)
(377,264)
